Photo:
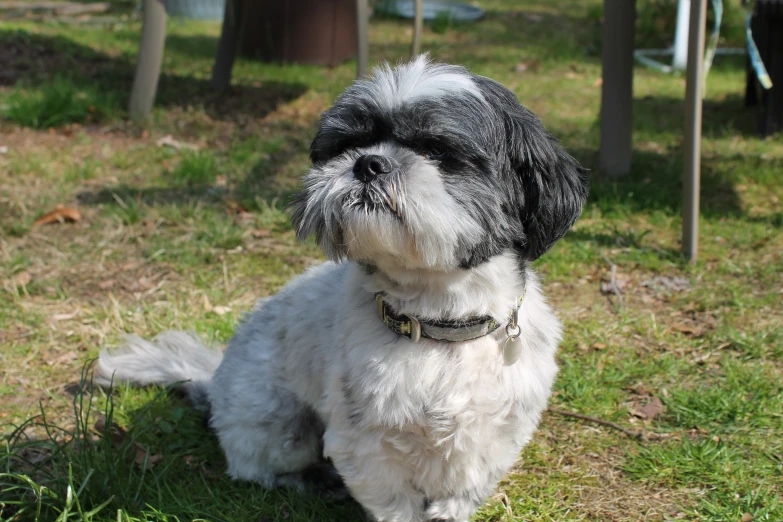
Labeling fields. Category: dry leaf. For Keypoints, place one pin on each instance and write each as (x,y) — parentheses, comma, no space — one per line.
(221,310)
(65,317)
(639,389)
(529,65)
(118,436)
(169,141)
(207,305)
(63,358)
(261,233)
(747,517)
(598,82)
(143,456)
(59,215)
(20,279)
(650,410)
(108,284)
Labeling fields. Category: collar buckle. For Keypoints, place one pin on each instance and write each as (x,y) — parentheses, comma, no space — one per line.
(411,327)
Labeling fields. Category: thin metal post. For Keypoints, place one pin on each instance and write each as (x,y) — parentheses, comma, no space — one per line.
(691,173)
(153,39)
(418,22)
(362,37)
(617,87)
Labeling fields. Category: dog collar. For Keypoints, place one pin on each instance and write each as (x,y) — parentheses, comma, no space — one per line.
(444,331)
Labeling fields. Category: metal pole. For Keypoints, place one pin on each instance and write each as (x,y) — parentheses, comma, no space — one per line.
(617,87)
(362,38)
(692,139)
(418,22)
(153,38)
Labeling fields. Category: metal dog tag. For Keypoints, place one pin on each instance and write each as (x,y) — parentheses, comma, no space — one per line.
(512,349)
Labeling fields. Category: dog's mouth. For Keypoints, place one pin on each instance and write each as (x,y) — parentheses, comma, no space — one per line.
(377,197)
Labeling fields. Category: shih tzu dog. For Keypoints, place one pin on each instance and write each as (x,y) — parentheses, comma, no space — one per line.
(419,359)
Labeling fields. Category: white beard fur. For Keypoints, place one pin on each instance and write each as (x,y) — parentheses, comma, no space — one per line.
(417,431)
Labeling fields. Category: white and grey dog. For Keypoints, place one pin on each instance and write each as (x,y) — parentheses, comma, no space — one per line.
(420,359)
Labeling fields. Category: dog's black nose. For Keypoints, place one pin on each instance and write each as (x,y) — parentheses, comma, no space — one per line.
(369,166)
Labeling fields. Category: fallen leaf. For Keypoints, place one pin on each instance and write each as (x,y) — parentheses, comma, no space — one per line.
(20,279)
(529,65)
(639,389)
(108,284)
(598,346)
(207,305)
(58,215)
(169,141)
(221,310)
(598,82)
(144,458)
(261,233)
(650,410)
(64,359)
(747,517)
(66,316)
(118,436)
(235,208)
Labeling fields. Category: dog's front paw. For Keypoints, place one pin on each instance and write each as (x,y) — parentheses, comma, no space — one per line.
(455,509)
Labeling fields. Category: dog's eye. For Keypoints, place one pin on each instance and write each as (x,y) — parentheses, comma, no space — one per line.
(437,153)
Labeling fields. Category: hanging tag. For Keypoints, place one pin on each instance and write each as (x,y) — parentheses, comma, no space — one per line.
(512,349)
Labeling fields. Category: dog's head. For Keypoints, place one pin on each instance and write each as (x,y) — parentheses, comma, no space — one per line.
(428,166)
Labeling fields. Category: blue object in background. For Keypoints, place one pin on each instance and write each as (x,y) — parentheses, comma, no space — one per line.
(196,9)
(431,9)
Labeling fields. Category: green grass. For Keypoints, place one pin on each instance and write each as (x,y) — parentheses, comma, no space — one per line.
(179,239)
(55,104)
(195,168)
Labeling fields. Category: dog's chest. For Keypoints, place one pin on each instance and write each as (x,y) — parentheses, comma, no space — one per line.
(440,397)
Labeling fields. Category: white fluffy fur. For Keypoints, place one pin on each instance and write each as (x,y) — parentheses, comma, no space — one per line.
(416,79)
(418,431)
(436,421)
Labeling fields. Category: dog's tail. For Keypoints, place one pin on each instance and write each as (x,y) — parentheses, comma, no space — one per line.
(169,358)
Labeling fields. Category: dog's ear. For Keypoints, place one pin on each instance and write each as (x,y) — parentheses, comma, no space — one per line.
(554,185)
(550,187)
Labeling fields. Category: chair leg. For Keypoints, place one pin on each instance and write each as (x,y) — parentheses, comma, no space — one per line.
(153,39)
(229,36)
(362,37)
(418,22)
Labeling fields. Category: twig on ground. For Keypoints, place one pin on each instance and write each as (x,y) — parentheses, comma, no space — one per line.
(613,286)
(638,435)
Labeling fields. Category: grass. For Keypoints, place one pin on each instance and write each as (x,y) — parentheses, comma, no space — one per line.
(180,239)
(56,104)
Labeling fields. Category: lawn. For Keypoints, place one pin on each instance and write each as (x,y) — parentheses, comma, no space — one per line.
(189,236)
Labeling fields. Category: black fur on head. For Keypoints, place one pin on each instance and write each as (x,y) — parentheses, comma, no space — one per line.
(477,174)
(547,186)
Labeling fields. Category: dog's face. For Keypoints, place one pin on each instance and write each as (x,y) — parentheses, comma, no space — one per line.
(427,166)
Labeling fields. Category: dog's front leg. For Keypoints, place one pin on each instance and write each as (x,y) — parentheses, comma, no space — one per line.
(380,483)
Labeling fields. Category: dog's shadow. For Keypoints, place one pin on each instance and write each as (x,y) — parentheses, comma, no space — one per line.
(150,449)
